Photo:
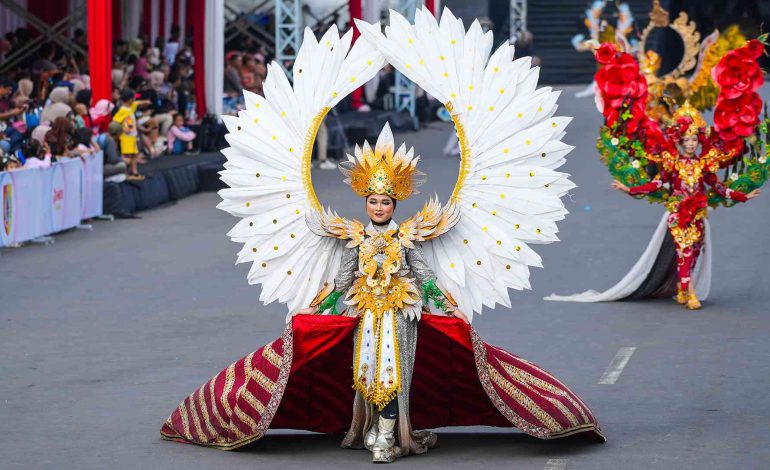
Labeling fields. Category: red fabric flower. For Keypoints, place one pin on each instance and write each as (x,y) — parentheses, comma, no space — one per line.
(619,80)
(690,206)
(755,48)
(606,53)
(739,115)
(738,72)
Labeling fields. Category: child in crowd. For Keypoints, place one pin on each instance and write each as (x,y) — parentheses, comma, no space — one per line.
(36,155)
(126,116)
(82,119)
(101,115)
(9,163)
(180,138)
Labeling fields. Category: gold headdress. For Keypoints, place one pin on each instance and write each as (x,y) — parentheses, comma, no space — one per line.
(698,123)
(383,170)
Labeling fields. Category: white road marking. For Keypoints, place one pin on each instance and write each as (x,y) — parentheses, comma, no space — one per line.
(555,464)
(613,371)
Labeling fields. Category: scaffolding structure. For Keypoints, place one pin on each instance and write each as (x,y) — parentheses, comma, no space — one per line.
(518,19)
(288,31)
(404,90)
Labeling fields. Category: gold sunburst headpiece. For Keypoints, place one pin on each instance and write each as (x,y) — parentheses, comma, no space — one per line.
(697,125)
(383,170)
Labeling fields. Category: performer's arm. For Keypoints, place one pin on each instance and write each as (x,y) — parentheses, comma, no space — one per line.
(646,188)
(328,297)
(728,193)
(427,281)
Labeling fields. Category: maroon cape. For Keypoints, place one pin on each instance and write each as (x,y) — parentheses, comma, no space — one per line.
(303,380)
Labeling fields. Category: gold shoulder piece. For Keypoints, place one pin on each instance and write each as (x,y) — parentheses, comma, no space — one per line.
(322,294)
(432,221)
(329,224)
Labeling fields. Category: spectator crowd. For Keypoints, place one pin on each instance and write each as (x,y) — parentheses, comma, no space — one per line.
(47,113)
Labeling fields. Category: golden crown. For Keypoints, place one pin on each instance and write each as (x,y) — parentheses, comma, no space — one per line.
(690,111)
(383,170)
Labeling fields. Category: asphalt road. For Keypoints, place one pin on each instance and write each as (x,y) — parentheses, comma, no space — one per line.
(104,332)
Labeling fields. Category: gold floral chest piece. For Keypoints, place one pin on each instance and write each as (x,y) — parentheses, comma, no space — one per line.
(380,289)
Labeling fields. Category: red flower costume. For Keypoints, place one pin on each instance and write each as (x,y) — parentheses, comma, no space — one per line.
(632,143)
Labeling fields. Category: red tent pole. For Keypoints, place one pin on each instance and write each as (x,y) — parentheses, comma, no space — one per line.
(197,10)
(356,12)
(100,48)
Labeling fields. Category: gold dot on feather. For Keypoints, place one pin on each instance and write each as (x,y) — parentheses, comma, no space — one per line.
(257,105)
(258,175)
(542,154)
(518,248)
(288,196)
(528,142)
(502,196)
(454,41)
(275,248)
(275,221)
(251,224)
(291,149)
(452,265)
(292,235)
(499,242)
(368,62)
(334,94)
(296,211)
(275,137)
(516,226)
(288,273)
(283,178)
(238,128)
(470,87)
(256,120)
(484,228)
(478,262)
(484,178)
(507,175)
(553,124)
(411,41)
(496,69)
(253,250)
(352,79)
(409,66)
(441,57)
(470,108)
(507,266)
(473,205)
(283,113)
(264,265)
(248,204)
(539,109)
(502,91)
(494,212)
(465,241)
(446,75)
(519,115)
(531,174)
(505,150)
(537,230)
(491,108)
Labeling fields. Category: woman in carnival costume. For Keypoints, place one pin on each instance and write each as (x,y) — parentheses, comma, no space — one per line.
(379,293)
(677,161)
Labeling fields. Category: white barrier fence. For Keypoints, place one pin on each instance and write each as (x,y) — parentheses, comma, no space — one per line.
(42,201)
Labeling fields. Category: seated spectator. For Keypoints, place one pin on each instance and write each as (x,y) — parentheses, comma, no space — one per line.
(9,163)
(114,166)
(61,139)
(39,133)
(101,115)
(180,138)
(84,141)
(36,155)
(82,119)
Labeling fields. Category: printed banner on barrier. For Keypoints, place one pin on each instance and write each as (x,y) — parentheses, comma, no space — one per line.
(41,201)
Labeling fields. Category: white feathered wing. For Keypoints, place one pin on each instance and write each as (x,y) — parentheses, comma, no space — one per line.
(509,194)
(268,170)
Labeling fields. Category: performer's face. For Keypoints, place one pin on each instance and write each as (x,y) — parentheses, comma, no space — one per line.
(690,144)
(379,208)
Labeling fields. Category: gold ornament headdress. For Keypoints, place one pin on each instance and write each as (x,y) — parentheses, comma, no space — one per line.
(698,123)
(383,170)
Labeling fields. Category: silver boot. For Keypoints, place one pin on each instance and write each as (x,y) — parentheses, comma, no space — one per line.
(384,449)
(371,436)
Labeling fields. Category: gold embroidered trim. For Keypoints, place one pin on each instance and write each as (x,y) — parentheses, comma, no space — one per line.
(196,419)
(307,153)
(272,357)
(465,154)
(513,391)
(185,421)
(253,401)
(528,378)
(206,419)
(519,375)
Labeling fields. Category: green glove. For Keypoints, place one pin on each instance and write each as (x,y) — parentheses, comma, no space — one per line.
(431,292)
(330,302)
